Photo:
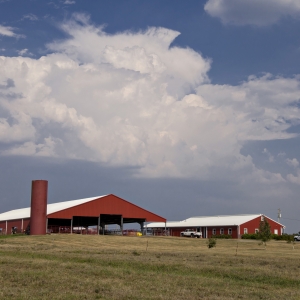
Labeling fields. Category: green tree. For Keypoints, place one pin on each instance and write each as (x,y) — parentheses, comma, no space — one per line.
(264,233)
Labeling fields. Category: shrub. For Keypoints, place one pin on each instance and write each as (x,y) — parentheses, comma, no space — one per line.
(250,236)
(284,237)
(222,236)
(212,242)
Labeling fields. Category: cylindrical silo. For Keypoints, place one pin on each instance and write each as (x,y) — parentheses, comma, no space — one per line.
(38,212)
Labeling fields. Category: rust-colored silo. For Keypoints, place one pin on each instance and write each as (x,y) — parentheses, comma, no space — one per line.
(38,212)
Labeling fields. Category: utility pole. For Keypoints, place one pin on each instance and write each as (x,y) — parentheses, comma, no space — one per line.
(279,215)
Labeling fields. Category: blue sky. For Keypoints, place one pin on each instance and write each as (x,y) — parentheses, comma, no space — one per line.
(185,108)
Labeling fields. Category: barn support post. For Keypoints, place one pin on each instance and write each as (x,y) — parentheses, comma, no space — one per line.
(6,228)
(142,227)
(98,226)
(22,226)
(121,227)
(72,225)
(47,225)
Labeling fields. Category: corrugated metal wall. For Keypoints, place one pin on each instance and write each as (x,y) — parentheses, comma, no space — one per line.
(234,232)
(14,223)
(254,224)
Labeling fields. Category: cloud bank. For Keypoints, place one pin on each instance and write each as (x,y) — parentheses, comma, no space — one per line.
(129,99)
(252,12)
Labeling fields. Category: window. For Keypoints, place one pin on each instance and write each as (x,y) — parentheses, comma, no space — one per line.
(222,231)
(229,231)
(262,218)
(275,231)
(214,231)
(256,230)
(245,230)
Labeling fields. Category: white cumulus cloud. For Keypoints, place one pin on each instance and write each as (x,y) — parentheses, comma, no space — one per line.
(292,162)
(252,12)
(8,31)
(294,179)
(69,2)
(131,99)
(31,17)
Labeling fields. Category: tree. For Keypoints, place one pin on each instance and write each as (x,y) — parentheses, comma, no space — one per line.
(264,233)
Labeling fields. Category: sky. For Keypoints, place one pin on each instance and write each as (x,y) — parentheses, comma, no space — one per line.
(185,108)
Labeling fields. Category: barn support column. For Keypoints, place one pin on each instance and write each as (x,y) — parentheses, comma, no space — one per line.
(46,225)
(72,225)
(22,227)
(6,228)
(121,226)
(98,226)
(142,227)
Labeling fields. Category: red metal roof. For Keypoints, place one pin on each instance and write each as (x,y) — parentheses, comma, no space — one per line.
(109,204)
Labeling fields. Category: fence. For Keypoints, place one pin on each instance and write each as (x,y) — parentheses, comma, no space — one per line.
(160,232)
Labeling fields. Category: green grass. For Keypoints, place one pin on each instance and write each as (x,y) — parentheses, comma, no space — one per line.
(114,267)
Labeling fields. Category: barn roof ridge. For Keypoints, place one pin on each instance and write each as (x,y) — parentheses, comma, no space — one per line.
(235,215)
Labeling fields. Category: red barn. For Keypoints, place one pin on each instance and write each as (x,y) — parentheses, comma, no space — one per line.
(235,225)
(83,213)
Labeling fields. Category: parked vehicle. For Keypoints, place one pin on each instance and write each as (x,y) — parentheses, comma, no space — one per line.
(191,233)
(297,237)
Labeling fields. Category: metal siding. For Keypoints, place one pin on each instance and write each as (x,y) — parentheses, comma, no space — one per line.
(16,223)
(254,224)
(175,231)
(3,226)
(218,228)
(110,204)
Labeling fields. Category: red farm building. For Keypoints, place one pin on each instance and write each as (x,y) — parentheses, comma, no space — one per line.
(81,216)
(235,225)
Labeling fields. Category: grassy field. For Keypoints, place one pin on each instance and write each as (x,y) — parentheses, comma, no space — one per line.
(115,267)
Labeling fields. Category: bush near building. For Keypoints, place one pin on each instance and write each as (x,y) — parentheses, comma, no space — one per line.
(255,236)
(222,236)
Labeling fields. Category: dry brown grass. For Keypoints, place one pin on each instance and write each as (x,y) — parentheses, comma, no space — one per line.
(114,267)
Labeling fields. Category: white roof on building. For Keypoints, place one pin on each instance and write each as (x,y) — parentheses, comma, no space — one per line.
(24,213)
(233,220)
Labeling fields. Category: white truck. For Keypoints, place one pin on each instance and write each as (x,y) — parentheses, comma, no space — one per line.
(297,237)
(191,233)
